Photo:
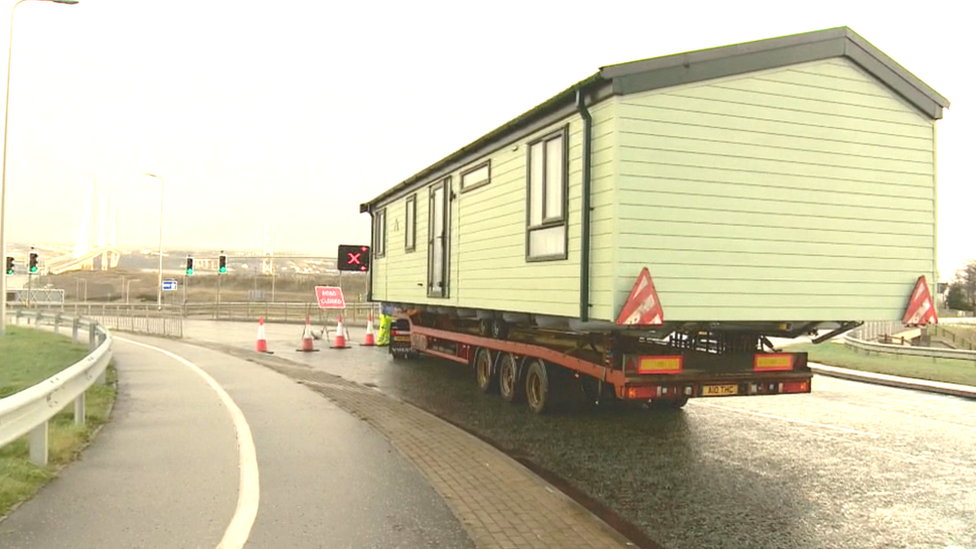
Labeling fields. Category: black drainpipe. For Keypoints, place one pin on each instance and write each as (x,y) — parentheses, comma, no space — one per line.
(585,210)
(369,279)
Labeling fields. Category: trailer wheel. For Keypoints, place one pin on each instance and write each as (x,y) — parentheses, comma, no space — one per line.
(484,372)
(679,402)
(538,387)
(499,329)
(508,378)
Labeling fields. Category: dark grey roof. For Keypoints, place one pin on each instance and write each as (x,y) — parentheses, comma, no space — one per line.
(683,68)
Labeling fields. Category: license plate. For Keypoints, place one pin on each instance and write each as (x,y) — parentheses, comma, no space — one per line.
(720,390)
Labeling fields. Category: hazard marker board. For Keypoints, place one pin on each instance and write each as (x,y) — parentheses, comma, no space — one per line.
(642,307)
(330,297)
(920,309)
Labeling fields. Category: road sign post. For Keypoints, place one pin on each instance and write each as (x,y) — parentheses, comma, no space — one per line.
(330,297)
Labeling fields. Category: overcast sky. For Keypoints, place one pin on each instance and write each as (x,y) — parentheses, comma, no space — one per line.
(293,113)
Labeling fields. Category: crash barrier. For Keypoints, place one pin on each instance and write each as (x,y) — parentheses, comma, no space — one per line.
(30,410)
(864,339)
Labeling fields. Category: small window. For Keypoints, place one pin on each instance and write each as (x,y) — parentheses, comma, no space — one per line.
(379,233)
(479,176)
(411,224)
(547,184)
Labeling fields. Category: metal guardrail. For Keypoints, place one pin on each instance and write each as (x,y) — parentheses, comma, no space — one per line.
(905,350)
(141,319)
(115,315)
(30,410)
(354,313)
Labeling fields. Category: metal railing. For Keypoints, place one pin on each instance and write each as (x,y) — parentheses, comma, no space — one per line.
(30,410)
(905,350)
(957,338)
(354,313)
(864,339)
(116,315)
(142,319)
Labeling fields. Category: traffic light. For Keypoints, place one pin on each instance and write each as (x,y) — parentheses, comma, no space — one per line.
(32,264)
(353,258)
(222,263)
(189,265)
(10,265)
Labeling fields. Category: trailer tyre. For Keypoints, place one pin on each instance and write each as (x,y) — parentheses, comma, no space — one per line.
(484,371)
(538,386)
(509,385)
(499,329)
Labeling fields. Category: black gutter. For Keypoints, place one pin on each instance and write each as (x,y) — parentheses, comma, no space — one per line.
(369,279)
(585,209)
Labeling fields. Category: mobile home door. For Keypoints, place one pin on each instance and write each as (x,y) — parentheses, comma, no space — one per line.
(438,239)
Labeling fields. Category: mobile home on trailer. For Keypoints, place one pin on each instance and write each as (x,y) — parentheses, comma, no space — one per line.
(771,188)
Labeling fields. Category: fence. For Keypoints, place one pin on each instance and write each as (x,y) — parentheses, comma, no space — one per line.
(142,319)
(865,337)
(30,410)
(354,313)
(122,317)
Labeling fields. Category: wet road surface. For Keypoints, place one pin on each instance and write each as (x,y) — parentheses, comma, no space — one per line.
(850,465)
(164,472)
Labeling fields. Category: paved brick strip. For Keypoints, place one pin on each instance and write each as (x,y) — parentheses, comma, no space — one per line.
(502,504)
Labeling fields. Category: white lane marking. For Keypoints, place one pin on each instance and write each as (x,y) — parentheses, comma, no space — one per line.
(780,418)
(248,495)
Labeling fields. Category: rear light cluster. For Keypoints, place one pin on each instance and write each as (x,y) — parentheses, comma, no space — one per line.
(779,387)
(650,392)
(642,392)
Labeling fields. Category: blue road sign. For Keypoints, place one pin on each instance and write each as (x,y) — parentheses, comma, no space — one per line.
(169,285)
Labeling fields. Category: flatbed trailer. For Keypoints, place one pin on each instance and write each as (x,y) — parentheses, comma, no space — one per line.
(549,369)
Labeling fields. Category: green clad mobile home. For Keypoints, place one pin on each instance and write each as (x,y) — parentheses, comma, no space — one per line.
(778,186)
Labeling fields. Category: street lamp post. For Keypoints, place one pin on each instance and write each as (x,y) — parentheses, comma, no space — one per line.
(159,282)
(3,175)
(128,287)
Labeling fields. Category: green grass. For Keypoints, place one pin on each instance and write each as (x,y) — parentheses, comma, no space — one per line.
(26,358)
(961,372)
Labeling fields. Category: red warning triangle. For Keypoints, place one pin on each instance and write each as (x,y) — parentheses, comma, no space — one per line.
(920,309)
(642,307)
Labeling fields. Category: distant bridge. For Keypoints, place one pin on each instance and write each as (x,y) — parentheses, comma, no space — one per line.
(96,237)
(109,259)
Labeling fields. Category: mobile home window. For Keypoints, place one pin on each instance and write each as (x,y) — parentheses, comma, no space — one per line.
(477,176)
(411,224)
(379,233)
(546,231)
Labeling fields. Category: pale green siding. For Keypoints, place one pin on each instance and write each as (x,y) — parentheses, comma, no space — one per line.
(805,193)
(488,230)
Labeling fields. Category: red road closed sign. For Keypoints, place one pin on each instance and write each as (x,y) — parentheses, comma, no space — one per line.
(330,297)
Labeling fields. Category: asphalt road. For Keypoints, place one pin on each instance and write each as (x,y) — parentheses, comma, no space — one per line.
(166,472)
(851,465)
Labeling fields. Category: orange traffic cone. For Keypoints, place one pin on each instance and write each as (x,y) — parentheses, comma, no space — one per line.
(307,346)
(340,339)
(262,346)
(370,340)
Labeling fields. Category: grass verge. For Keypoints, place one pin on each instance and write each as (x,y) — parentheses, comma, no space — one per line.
(26,358)
(961,372)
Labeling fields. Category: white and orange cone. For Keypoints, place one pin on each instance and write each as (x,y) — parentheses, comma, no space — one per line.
(307,346)
(370,339)
(262,345)
(340,338)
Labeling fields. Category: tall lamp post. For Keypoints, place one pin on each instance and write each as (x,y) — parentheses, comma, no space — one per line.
(159,282)
(3,176)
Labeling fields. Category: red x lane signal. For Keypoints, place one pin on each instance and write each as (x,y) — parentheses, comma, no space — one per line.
(353,258)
